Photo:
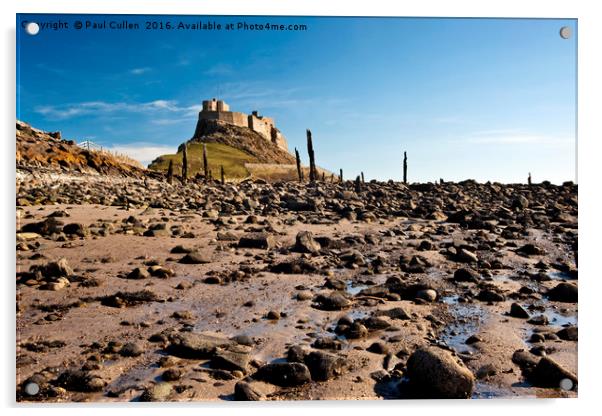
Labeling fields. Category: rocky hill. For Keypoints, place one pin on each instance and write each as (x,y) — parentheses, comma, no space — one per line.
(37,148)
(233,147)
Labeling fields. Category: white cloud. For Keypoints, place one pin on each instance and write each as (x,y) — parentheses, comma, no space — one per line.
(65,111)
(143,152)
(140,71)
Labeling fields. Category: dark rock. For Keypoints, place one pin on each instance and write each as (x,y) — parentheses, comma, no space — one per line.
(563,292)
(568,334)
(244,391)
(439,375)
(284,374)
(230,360)
(296,354)
(538,320)
(324,366)
(76,229)
(335,301)
(79,380)
(548,373)
(466,275)
(517,311)
(257,240)
(378,348)
(395,313)
(531,250)
(172,374)
(157,393)
(191,345)
(131,349)
(356,331)
(195,258)
(487,295)
(305,243)
(138,273)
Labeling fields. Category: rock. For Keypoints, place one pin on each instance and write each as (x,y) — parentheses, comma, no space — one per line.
(284,374)
(466,256)
(335,301)
(244,391)
(191,345)
(473,339)
(531,250)
(195,257)
(55,268)
(439,375)
(486,371)
(273,315)
(524,359)
(304,295)
(305,243)
(356,331)
(79,380)
(395,313)
(548,373)
(138,273)
(172,374)
(157,393)
(520,202)
(323,366)
(428,295)
(244,340)
(466,275)
(76,229)
(517,311)
(131,349)
(563,292)
(230,360)
(378,348)
(487,295)
(538,320)
(160,272)
(296,354)
(180,249)
(295,266)
(568,334)
(257,240)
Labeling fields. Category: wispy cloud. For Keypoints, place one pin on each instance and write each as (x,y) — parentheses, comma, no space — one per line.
(140,71)
(65,111)
(220,69)
(143,152)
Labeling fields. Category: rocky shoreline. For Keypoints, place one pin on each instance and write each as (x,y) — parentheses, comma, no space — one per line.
(136,289)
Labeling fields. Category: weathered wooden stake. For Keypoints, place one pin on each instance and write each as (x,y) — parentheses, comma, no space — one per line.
(358,184)
(210,174)
(363,177)
(222,174)
(405,167)
(341,175)
(185,164)
(529,179)
(323,176)
(312,162)
(170,171)
(205,164)
(299,170)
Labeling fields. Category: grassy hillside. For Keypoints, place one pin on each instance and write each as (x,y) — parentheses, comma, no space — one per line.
(233,161)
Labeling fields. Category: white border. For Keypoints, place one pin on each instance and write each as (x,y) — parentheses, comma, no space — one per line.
(590,212)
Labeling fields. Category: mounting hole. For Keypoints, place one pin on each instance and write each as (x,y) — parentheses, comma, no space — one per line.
(565,32)
(32,389)
(566,384)
(32,28)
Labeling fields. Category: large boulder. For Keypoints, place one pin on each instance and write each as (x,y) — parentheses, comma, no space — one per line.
(563,292)
(439,375)
(305,243)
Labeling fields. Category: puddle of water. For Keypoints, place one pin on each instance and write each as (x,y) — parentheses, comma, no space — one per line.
(558,275)
(468,319)
(354,289)
(557,318)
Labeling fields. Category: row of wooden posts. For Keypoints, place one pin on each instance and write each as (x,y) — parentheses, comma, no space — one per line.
(313,172)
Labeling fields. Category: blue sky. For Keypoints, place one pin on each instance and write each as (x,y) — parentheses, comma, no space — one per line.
(488,99)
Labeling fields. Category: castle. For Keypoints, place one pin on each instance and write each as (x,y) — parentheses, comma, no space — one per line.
(218,110)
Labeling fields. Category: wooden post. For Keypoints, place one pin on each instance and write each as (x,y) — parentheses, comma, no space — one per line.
(205,165)
(170,171)
(299,170)
(363,177)
(222,174)
(529,179)
(323,175)
(341,175)
(358,184)
(185,163)
(312,162)
(405,167)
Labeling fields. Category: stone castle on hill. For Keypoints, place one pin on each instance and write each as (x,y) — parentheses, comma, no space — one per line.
(218,110)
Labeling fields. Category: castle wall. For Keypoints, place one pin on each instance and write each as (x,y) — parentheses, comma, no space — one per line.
(265,126)
(260,126)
